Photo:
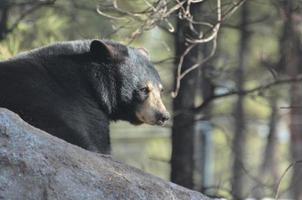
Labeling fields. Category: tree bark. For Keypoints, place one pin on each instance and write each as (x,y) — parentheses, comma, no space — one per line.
(239,140)
(204,155)
(4,7)
(268,163)
(269,167)
(295,127)
(182,161)
(290,50)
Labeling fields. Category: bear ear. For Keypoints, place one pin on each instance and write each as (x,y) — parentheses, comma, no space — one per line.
(144,52)
(100,51)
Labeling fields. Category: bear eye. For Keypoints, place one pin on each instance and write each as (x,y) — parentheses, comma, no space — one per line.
(145,90)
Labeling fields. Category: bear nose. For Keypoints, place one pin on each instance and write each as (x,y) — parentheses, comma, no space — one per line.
(162,117)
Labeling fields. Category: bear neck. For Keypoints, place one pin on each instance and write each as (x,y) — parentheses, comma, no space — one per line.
(102,78)
(82,80)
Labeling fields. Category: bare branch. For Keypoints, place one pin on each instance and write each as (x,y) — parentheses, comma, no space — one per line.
(283,175)
(215,29)
(159,12)
(212,37)
(175,92)
(33,8)
(245,92)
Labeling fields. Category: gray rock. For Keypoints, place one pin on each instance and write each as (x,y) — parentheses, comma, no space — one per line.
(36,165)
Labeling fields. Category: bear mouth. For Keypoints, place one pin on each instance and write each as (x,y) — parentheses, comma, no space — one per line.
(160,123)
(141,120)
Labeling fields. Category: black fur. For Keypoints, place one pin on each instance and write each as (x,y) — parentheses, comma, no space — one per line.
(73,89)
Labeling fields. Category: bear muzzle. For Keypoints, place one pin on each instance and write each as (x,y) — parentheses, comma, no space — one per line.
(153,117)
(162,117)
(152,111)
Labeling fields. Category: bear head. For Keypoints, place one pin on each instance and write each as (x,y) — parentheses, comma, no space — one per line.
(134,87)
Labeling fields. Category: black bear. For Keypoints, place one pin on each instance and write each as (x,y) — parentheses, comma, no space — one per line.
(73,89)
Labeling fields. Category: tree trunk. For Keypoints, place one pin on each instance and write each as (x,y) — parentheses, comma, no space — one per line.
(4,6)
(203,152)
(239,140)
(183,130)
(290,46)
(269,167)
(296,138)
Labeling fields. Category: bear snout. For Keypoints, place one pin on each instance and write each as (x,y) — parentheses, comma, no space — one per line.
(162,117)
(152,116)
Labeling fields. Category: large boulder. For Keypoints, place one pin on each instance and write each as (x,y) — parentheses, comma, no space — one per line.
(35,165)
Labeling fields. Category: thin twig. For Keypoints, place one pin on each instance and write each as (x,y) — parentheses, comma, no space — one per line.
(283,175)
(179,67)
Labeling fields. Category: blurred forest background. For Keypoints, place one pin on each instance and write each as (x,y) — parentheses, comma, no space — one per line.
(232,74)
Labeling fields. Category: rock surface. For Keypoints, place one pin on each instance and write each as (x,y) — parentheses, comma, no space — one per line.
(35,165)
